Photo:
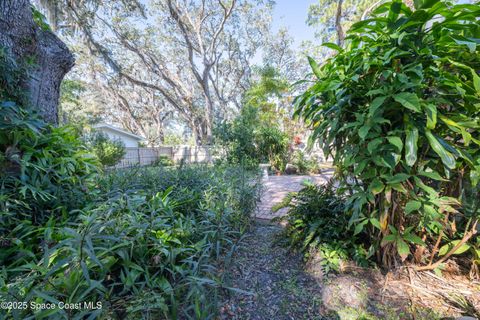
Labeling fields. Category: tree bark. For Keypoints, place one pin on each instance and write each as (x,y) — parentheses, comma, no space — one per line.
(338,24)
(23,41)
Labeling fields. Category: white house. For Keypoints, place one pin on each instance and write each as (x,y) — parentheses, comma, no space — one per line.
(129,139)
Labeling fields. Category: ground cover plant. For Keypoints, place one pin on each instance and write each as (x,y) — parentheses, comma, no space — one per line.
(398,109)
(139,243)
(148,246)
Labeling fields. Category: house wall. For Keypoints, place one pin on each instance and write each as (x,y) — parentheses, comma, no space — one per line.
(115,135)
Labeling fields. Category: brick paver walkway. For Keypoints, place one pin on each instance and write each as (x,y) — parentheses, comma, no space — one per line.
(277,187)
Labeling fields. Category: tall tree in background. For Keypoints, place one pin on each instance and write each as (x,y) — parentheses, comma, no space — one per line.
(31,46)
(193,54)
(332,17)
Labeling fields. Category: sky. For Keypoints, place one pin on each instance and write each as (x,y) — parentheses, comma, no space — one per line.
(293,14)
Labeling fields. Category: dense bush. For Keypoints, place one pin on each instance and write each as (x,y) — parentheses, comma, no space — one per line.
(249,141)
(273,146)
(399,110)
(238,138)
(254,136)
(163,161)
(304,164)
(148,247)
(109,152)
(316,223)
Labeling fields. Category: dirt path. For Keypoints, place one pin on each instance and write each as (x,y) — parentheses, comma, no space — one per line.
(275,278)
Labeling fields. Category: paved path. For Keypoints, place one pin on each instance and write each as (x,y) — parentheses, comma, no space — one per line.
(277,187)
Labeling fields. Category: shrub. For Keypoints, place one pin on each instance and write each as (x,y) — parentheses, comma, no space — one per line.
(316,223)
(45,170)
(304,164)
(109,152)
(163,161)
(237,138)
(398,109)
(273,146)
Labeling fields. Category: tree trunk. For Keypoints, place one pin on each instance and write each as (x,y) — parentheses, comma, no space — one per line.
(23,41)
(338,24)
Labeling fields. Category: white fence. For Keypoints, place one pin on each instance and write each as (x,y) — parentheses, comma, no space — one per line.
(186,154)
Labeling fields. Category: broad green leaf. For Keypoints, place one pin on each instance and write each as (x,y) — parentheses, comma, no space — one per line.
(419,183)
(411,206)
(447,158)
(446,248)
(363,131)
(475,176)
(432,175)
(399,177)
(398,187)
(373,145)
(408,100)
(376,103)
(410,237)
(375,223)
(411,146)
(332,46)
(472,45)
(402,248)
(315,67)
(397,142)
(376,186)
(389,238)
(359,227)
(431,111)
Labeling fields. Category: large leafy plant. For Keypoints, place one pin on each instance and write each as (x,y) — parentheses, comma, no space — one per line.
(399,110)
(108,151)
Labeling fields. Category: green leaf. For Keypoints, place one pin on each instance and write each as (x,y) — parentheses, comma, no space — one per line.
(447,158)
(411,147)
(376,186)
(475,176)
(332,46)
(376,103)
(476,81)
(399,177)
(375,223)
(472,45)
(397,142)
(431,111)
(408,100)
(389,238)
(372,145)
(411,206)
(432,175)
(359,227)
(315,67)
(363,131)
(413,239)
(446,248)
(402,248)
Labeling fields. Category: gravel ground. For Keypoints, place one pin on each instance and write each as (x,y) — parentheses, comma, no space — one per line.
(276,285)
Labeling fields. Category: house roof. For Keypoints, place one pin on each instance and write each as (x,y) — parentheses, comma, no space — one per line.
(121,131)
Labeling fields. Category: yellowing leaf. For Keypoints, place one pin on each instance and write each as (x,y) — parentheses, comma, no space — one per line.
(431,111)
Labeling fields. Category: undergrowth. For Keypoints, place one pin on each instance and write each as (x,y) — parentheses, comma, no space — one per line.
(316,223)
